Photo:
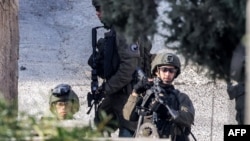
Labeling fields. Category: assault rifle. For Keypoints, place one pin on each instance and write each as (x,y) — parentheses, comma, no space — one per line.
(156,89)
(95,96)
(142,111)
(157,92)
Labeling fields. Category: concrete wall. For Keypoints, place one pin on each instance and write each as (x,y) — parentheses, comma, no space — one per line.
(55,43)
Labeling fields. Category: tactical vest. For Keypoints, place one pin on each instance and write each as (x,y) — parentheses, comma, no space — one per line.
(107,57)
(111,58)
(160,120)
(163,124)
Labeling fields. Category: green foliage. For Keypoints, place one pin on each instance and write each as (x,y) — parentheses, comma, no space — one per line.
(203,31)
(208,32)
(130,16)
(106,123)
(25,127)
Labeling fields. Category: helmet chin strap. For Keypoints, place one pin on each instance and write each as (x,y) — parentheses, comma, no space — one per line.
(169,82)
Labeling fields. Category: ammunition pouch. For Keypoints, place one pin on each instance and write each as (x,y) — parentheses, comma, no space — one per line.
(107,57)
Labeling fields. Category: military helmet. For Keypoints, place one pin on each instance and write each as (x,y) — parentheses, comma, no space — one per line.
(166,59)
(63,92)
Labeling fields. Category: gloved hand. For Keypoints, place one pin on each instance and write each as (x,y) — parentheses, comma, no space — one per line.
(174,114)
(141,86)
(162,98)
(154,105)
(101,91)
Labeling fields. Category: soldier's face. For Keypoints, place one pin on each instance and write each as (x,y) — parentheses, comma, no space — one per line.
(166,73)
(63,109)
(98,12)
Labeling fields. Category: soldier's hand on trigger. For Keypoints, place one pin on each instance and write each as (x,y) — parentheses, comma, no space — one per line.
(154,105)
(142,85)
(163,98)
(101,89)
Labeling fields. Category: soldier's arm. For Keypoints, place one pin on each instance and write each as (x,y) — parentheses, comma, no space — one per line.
(186,112)
(129,57)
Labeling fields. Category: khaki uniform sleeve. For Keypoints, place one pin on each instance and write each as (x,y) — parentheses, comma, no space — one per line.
(187,111)
(129,60)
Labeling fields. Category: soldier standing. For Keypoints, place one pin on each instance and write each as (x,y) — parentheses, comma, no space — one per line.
(163,111)
(116,64)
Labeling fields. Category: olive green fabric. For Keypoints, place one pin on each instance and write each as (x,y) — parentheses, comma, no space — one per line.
(113,105)
(119,86)
(129,55)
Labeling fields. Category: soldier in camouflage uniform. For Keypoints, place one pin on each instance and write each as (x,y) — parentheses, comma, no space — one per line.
(64,102)
(236,88)
(166,112)
(118,85)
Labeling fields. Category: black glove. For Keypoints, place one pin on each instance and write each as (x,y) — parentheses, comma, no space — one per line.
(141,85)
(154,105)
(174,114)
(101,93)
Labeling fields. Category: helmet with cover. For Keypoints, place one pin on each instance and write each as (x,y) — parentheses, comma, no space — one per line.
(162,59)
(63,92)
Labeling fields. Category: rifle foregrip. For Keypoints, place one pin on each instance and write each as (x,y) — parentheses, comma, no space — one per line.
(94,32)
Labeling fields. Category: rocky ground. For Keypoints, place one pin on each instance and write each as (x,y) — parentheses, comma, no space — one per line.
(55,43)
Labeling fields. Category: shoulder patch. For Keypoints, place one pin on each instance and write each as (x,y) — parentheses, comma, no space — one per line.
(133,50)
(134,47)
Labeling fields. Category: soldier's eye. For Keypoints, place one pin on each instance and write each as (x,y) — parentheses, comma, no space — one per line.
(170,70)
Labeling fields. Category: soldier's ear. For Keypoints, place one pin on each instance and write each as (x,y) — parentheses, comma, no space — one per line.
(157,73)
